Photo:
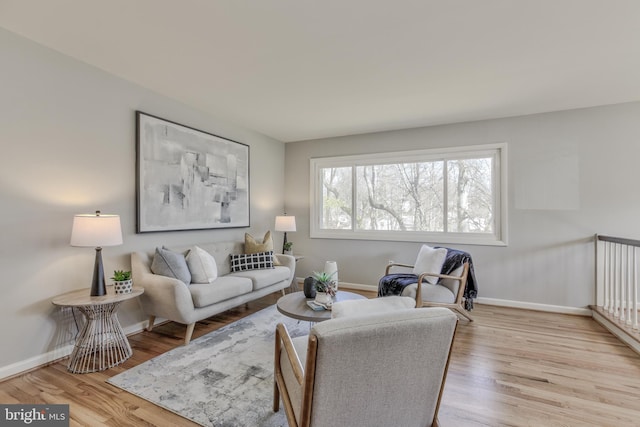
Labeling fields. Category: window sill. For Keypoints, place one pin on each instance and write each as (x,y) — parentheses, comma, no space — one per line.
(480,240)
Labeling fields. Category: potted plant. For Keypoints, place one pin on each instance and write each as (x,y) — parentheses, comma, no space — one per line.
(288,248)
(325,288)
(122,281)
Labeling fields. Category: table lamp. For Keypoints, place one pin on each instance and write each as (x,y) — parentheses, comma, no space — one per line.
(285,223)
(96,231)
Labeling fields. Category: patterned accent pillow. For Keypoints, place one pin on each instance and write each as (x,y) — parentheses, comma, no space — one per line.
(258,261)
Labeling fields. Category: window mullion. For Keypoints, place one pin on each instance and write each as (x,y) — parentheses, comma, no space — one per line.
(354,198)
(445,196)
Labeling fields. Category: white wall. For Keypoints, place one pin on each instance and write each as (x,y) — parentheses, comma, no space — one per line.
(67,133)
(571,174)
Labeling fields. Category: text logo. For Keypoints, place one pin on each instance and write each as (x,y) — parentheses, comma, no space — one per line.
(34,415)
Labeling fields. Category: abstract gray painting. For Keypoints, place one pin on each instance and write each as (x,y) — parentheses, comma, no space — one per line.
(189,179)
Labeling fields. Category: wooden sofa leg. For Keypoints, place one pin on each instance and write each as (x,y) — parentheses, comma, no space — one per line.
(150,325)
(187,335)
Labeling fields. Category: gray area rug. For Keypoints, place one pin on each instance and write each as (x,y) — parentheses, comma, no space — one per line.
(224,378)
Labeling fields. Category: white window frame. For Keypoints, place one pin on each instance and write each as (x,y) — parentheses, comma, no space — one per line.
(497,238)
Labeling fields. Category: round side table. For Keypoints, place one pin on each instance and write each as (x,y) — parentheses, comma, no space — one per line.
(295,306)
(101,343)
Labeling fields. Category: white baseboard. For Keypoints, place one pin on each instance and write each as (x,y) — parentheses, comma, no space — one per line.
(534,306)
(135,328)
(34,362)
(494,301)
(53,355)
(357,286)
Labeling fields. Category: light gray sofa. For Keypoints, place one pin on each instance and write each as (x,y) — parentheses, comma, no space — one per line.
(171,299)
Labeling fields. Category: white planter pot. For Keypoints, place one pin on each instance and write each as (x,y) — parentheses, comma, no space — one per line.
(123,287)
(324,299)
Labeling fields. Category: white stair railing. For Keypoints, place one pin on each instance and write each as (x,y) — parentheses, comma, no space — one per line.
(617,278)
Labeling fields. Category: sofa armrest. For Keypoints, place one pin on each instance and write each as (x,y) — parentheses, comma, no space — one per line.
(164,297)
(288,261)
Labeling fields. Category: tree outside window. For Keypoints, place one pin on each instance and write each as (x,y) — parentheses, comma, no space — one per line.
(410,196)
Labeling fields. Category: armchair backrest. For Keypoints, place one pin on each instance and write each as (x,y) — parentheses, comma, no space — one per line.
(378,370)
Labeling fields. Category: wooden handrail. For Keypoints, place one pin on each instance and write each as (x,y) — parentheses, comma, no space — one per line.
(621,240)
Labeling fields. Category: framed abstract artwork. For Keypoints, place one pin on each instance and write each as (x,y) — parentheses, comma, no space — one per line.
(188,179)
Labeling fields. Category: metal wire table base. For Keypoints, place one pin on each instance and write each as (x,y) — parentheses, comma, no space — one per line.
(101,344)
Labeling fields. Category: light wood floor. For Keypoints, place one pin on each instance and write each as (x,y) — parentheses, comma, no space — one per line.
(509,368)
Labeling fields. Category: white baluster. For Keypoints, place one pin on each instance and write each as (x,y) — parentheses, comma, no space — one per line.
(616,290)
(612,278)
(623,286)
(635,290)
(627,302)
(605,277)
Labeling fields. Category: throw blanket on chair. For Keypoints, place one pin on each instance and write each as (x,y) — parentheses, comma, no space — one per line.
(394,284)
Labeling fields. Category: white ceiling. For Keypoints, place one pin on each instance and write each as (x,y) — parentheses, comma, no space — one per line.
(303,69)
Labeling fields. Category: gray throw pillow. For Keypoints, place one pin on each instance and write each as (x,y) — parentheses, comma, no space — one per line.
(171,264)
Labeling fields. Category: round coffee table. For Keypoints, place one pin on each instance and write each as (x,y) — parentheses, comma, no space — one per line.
(295,306)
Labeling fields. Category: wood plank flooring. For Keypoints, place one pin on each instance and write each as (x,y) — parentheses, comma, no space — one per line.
(509,368)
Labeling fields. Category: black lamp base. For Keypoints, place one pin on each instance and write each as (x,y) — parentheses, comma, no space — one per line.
(98,287)
(284,243)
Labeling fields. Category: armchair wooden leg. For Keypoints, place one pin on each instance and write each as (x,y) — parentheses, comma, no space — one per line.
(187,335)
(150,325)
(276,396)
(464,313)
(276,372)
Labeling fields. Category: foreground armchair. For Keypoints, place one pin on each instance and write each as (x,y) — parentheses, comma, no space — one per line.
(383,369)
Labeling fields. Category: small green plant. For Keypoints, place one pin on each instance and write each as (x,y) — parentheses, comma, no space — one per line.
(324,282)
(121,275)
(288,246)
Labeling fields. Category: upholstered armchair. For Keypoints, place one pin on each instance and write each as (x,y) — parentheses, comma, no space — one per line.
(446,279)
(369,370)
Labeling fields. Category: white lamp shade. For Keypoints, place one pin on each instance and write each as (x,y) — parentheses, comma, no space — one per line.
(96,230)
(285,223)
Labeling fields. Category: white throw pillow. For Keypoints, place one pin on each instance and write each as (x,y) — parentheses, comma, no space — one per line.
(430,260)
(202,266)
